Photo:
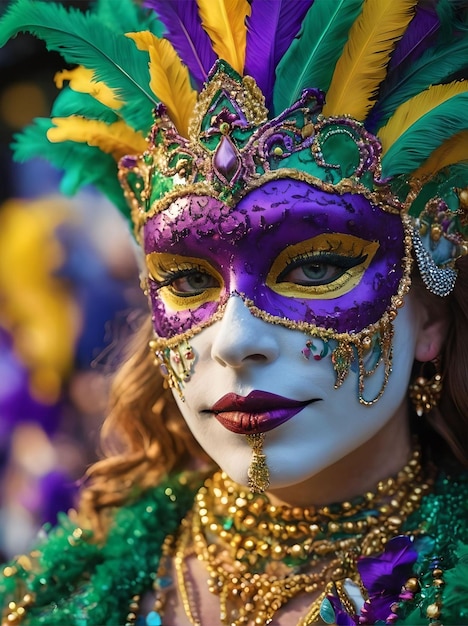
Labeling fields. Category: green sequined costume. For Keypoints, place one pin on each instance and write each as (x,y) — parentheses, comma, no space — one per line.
(75,582)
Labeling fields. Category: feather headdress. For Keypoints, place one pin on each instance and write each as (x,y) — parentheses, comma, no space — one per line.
(371,92)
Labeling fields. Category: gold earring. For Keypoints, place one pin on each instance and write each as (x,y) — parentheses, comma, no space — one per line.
(425,392)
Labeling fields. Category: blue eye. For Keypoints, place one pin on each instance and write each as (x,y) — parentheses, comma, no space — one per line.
(318,269)
(193,283)
(189,282)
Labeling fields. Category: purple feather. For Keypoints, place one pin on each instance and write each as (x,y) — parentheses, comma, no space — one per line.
(186,34)
(384,576)
(419,35)
(271,28)
(417,38)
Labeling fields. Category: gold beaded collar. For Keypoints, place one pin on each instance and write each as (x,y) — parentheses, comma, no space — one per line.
(259,556)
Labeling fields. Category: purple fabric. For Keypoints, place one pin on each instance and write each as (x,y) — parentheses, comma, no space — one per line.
(342,618)
(271,28)
(242,242)
(185,32)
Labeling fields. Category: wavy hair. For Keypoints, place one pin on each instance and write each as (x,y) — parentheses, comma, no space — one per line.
(143,438)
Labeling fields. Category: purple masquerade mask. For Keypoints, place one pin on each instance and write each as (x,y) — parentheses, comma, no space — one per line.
(296,255)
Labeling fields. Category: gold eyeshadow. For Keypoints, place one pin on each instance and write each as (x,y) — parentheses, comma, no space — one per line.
(165,269)
(348,254)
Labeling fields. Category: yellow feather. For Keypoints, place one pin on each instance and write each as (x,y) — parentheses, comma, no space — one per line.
(224,21)
(413,109)
(170,79)
(81,80)
(453,150)
(362,66)
(116,139)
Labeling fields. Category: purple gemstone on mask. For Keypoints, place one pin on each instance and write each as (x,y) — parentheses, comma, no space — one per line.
(129,161)
(225,161)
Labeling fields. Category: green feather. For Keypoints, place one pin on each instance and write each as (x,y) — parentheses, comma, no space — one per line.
(104,179)
(415,145)
(456,591)
(82,164)
(311,58)
(127,16)
(84,39)
(435,66)
(70,102)
(32,141)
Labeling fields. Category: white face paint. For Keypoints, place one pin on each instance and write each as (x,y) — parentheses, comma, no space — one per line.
(242,353)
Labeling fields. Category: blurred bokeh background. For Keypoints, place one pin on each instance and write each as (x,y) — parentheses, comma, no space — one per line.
(69,296)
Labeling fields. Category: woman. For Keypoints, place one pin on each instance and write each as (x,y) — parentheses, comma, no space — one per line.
(303,245)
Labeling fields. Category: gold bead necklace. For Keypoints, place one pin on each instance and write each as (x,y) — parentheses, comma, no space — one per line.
(259,556)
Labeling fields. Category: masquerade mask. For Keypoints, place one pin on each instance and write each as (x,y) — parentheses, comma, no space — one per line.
(297,255)
(324,249)
(377,163)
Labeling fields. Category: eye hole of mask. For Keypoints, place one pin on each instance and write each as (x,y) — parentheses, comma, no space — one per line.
(326,266)
(183,282)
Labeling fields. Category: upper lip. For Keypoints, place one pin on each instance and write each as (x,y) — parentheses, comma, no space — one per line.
(255,402)
(258,412)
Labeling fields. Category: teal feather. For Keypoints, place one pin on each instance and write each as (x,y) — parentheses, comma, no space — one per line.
(435,66)
(415,145)
(104,179)
(311,58)
(82,164)
(456,591)
(82,38)
(32,141)
(127,16)
(70,102)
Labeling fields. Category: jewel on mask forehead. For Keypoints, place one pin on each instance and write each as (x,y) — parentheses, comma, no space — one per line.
(232,144)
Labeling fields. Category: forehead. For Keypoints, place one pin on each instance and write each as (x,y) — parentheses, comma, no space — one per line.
(276,214)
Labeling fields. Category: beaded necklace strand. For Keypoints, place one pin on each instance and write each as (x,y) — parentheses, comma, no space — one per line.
(260,556)
(70,578)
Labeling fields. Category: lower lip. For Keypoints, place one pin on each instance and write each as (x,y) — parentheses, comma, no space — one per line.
(243,423)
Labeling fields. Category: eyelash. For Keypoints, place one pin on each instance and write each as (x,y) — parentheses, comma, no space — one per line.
(169,276)
(330,258)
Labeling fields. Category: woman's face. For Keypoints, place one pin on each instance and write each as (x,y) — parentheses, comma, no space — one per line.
(255,287)
(242,354)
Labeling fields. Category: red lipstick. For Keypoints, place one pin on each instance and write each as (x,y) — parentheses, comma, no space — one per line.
(258,412)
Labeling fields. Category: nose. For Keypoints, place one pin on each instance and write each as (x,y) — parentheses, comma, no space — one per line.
(243,339)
